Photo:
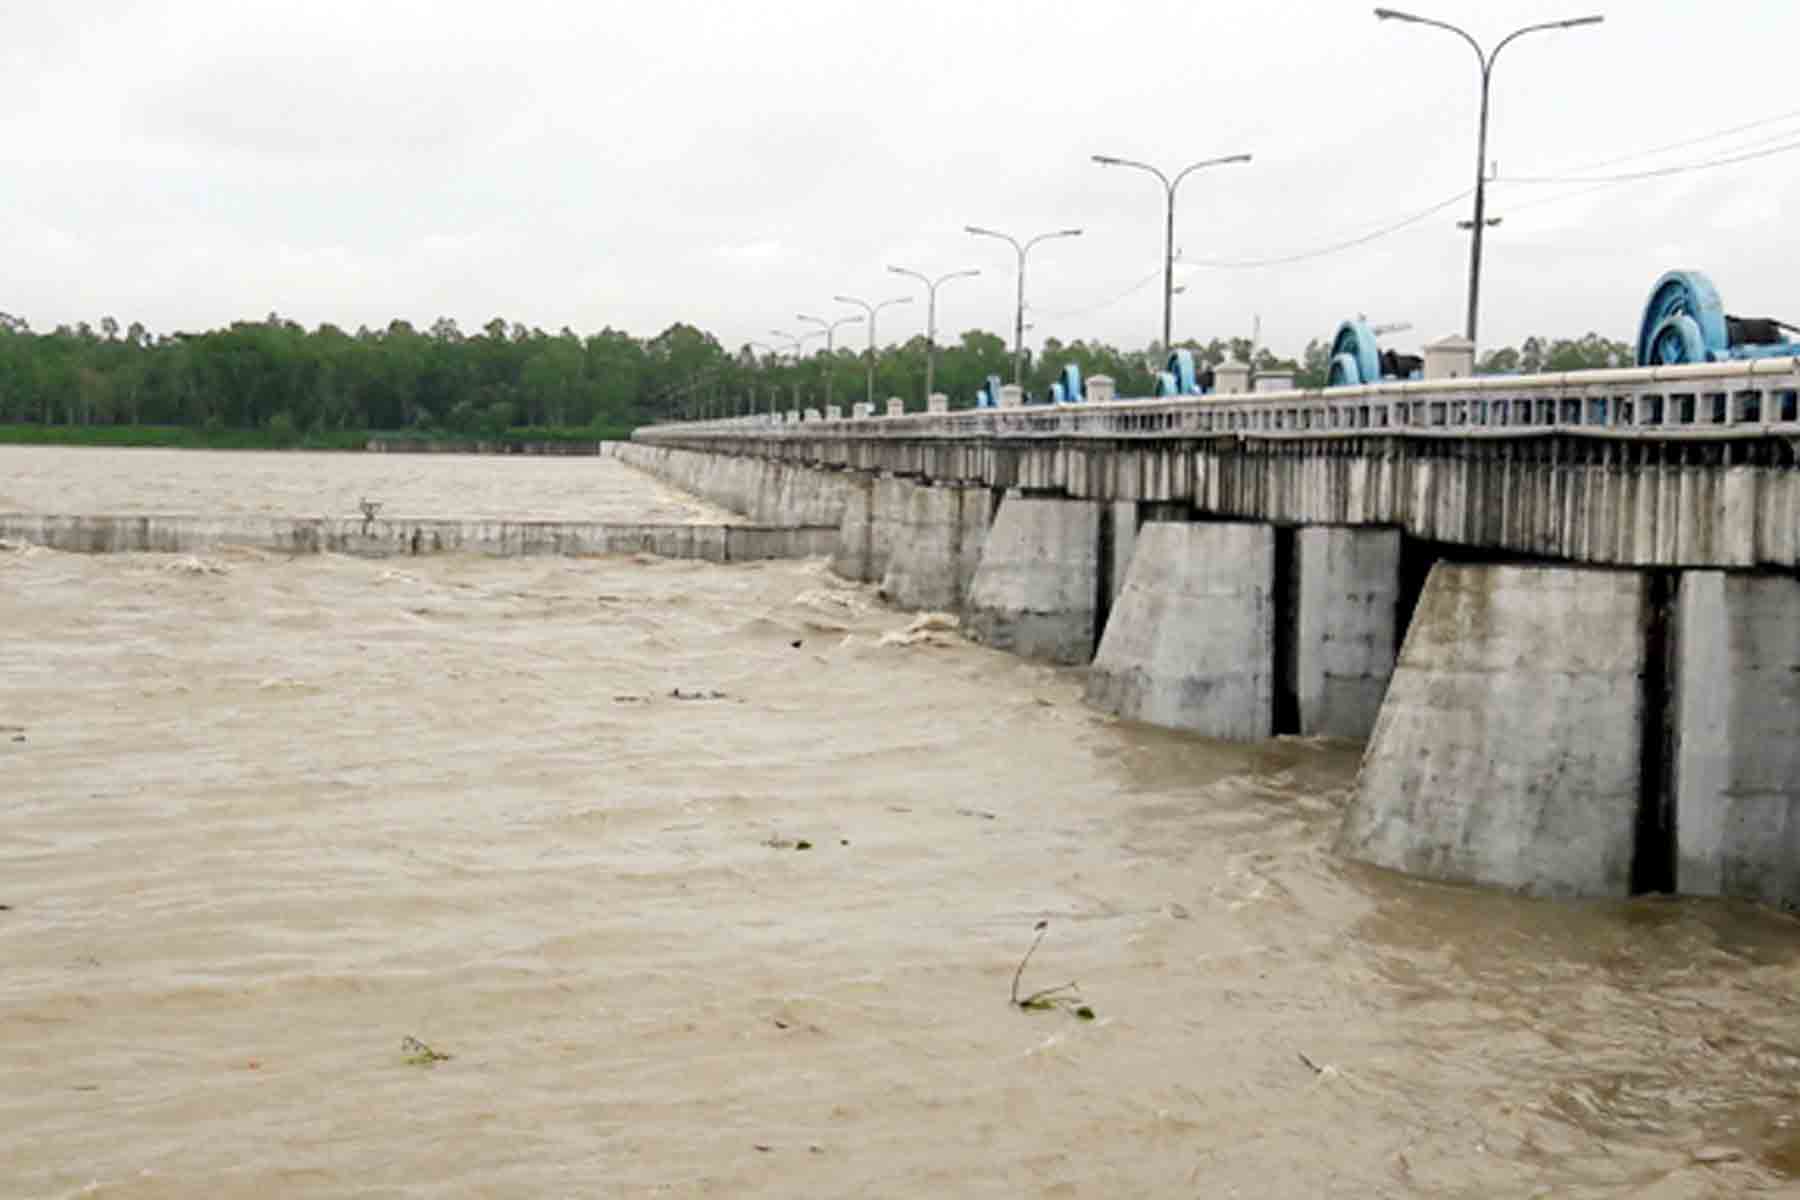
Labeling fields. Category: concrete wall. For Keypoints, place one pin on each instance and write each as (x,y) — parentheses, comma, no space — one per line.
(1189,644)
(1345,641)
(1508,750)
(1036,587)
(383,537)
(1737,756)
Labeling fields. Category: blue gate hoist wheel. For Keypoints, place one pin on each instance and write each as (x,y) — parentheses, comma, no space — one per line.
(1684,322)
(1355,358)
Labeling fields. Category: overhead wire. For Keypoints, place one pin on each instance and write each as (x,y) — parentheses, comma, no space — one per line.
(1336,247)
(1132,290)
(1693,141)
(1664,172)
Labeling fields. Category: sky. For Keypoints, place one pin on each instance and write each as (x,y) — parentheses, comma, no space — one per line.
(187,163)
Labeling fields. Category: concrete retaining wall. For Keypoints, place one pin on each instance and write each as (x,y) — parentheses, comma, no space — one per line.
(1037,584)
(1190,642)
(384,537)
(1508,750)
(1737,743)
(768,492)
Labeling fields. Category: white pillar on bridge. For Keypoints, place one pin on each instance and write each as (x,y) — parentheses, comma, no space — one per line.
(1450,358)
(896,407)
(1011,395)
(1100,389)
(862,410)
(834,412)
(937,402)
(1231,378)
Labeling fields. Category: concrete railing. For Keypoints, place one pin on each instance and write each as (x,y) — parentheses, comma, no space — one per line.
(1696,401)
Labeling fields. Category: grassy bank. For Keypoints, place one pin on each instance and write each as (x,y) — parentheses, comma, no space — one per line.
(185,437)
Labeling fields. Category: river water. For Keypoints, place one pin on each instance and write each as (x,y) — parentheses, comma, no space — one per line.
(262,819)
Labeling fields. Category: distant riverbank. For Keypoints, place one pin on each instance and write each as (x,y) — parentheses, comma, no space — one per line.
(193,437)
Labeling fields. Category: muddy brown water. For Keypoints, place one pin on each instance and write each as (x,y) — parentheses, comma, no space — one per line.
(261,819)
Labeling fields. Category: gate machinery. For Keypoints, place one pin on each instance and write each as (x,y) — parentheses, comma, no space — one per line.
(1356,358)
(1182,378)
(989,394)
(1685,322)
(1067,387)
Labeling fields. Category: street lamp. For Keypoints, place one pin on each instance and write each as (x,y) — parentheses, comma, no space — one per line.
(1169,186)
(1486,58)
(871,310)
(931,287)
(785,336)
(1019,319)
(830,328)
(773,389)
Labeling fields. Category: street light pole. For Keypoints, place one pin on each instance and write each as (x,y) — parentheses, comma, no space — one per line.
(1486,58)
(1019,316)
(830,328)
(769,350)
(931,287)
(1169,186)
(785,336)
(871,310)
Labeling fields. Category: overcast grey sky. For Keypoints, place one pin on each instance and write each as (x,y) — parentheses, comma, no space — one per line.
(190,162)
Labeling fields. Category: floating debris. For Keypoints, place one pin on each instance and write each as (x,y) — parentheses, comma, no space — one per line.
(418,1054)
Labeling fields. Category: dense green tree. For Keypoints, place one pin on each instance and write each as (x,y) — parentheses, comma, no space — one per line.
(274,375)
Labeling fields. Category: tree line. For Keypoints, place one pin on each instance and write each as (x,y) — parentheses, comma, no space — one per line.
(276,375)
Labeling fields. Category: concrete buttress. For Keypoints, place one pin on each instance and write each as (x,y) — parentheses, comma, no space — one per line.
(1189,644)
(1035,590)
(937,546)
(1508,748)
(1736,749)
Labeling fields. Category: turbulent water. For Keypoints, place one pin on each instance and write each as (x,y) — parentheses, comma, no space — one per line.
(713,880)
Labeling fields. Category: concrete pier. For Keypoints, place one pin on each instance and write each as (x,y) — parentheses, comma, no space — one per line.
(1737,749)
(1035,590)
(1509,748)
(856,532)
(937,545)
(1344,639)
(1190,642)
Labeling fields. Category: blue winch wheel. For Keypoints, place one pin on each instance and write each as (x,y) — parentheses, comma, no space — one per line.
(1355,358)
(1684,322)
(1187,379)
(1070,385)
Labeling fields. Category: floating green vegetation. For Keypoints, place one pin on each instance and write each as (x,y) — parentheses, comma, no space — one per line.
(418,1054)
